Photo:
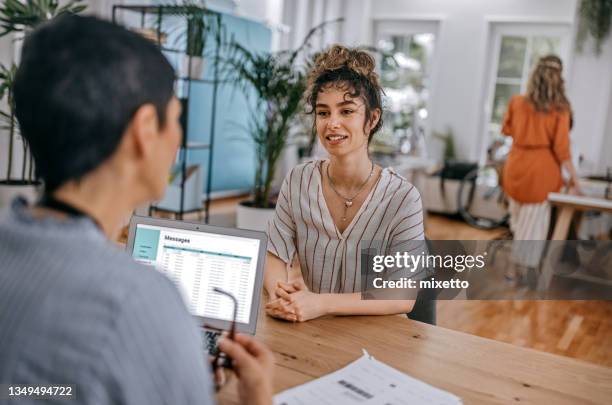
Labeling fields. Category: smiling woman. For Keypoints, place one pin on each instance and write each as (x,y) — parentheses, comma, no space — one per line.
(327,208)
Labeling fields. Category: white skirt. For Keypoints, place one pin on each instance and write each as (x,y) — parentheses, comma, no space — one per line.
(529,222)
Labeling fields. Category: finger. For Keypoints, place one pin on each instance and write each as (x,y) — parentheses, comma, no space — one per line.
(280,305)
(220,377)
(288,287)
(239,355)
(275,304)
(287,317)
(282,315)
(284,294)
(253,347)
(275,312)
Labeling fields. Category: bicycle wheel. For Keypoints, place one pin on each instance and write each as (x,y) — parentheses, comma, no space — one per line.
(480,199)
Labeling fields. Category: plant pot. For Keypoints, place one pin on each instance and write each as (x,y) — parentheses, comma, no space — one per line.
(249,217)
(14,188)
(197,67)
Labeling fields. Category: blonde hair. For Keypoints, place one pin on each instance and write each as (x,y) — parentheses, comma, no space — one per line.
(351,70)
(546,88)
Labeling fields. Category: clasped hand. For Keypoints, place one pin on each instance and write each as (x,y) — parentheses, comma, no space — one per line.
(294,302)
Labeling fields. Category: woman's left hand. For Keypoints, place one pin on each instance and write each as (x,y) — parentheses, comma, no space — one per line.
(303,304)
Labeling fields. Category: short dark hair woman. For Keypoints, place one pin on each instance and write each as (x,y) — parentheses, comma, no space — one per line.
(327,207)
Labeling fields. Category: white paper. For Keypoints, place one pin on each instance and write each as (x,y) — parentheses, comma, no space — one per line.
(365,381)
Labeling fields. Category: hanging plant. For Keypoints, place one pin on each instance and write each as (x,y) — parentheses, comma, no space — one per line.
(594,20)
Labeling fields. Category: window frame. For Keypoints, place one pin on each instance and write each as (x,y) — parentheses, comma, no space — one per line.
(412,25)
(529,30)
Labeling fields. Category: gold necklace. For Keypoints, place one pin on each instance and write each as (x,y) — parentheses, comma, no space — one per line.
(348,202)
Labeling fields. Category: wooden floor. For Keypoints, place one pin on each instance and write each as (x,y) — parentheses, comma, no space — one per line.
(578,329)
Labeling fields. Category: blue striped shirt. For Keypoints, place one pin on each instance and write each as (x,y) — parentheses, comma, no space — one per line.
(76,309)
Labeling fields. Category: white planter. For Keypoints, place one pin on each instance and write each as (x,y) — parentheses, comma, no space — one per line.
(253,218)
(9,192)
(197,67)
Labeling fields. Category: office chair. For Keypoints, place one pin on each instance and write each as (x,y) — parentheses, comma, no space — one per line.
(424,309)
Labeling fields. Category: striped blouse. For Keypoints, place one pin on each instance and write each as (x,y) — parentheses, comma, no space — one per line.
(330,261)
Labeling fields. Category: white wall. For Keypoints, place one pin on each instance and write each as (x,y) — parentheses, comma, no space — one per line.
(606,150)
(462,56)
(590,92)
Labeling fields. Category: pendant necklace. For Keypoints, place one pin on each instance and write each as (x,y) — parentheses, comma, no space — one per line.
(348,201)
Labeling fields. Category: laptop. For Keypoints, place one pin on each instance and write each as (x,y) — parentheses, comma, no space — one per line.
(199,258)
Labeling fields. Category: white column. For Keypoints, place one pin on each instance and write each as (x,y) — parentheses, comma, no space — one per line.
(590,95)
(333,9)
(357,28)
(302,22)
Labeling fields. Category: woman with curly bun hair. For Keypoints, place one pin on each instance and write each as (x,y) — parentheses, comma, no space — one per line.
(539,124)
(326,207)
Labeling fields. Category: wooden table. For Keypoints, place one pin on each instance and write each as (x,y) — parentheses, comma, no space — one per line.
(476,369)
(569,204)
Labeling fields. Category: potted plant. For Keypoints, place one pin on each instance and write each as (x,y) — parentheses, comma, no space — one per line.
(12,184)
(594,20)
(190,37)
(278,82)
(18,17)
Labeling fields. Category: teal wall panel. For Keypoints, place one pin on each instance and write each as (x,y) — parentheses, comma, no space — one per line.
(233,155)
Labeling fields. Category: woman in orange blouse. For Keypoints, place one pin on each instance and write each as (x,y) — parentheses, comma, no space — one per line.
(539,123)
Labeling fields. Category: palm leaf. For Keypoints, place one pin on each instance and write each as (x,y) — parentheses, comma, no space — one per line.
(276,83)
(18,16)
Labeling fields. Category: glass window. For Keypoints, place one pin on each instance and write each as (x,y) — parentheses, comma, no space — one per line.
(405,68)
(503,93)
(517,55)
(511,57)
(543,46)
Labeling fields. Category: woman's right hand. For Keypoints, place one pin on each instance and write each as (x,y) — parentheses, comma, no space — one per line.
(574,187)
(278,307)
(254,367)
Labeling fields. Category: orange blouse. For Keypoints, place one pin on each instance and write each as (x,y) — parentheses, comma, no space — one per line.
(540,142)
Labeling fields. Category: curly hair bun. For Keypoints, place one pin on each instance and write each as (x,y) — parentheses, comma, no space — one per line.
(338,56)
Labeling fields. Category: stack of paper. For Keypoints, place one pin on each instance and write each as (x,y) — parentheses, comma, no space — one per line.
(365,381)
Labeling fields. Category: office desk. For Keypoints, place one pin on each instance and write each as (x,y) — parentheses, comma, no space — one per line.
(569,204)
(477,370)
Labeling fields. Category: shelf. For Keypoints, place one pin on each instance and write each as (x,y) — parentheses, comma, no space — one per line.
(166,10)
(177,192)
(197,145)
(207,81)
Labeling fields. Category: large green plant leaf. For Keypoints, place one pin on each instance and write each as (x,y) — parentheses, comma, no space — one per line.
(20,15)
(7,78)
(278,83)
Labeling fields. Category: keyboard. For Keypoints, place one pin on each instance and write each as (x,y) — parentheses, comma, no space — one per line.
(209,341)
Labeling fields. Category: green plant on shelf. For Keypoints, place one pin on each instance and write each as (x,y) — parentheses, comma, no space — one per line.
(22,15)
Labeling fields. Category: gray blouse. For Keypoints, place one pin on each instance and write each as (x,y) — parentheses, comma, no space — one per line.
(391,214)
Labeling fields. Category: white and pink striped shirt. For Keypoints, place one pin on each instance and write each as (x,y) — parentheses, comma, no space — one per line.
(330,261)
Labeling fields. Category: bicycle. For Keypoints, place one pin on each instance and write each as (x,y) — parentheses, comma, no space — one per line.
(485,183)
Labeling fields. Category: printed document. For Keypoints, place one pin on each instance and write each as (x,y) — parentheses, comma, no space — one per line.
(365,381)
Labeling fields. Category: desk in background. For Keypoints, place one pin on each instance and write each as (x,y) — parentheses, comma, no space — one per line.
(570,204)
(477,370)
